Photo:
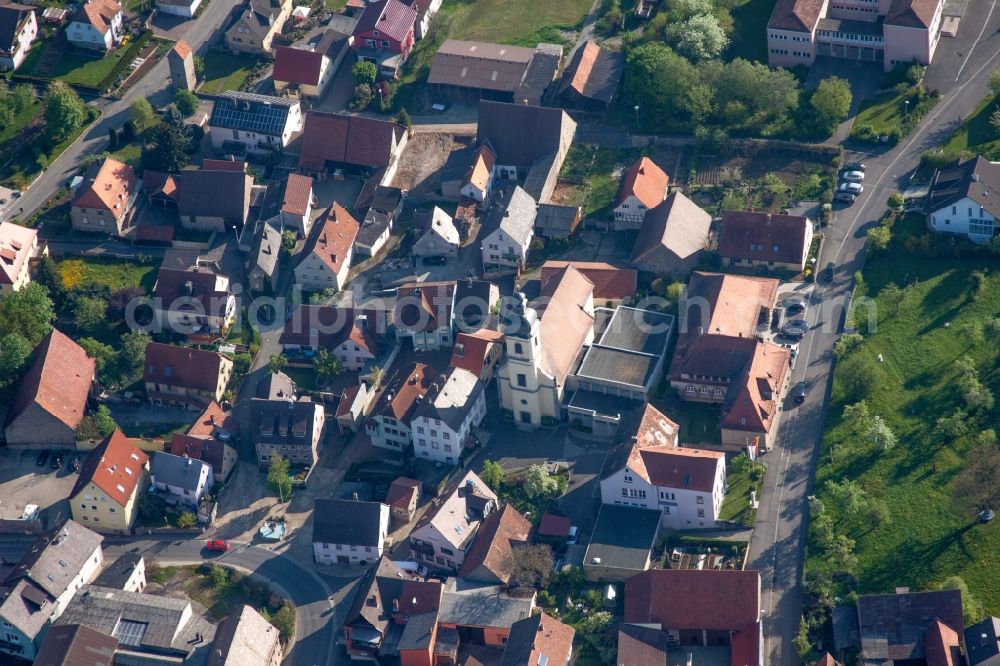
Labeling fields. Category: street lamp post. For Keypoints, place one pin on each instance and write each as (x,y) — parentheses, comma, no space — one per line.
(906,111)
(637,116)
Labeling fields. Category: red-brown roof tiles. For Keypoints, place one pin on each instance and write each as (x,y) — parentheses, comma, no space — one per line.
(472,350)
(401,492)
(609,281)
(182,366)
(646,181)
(942,646)
(59,380)
(763,236)
(107,187)
(115,466)
(298,194)
(678,599)
(332,237)
(400,399)
(492,552)
(295,65)
(182,48)
(554,526)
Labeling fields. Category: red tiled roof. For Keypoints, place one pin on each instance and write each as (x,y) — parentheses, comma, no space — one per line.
(115,466)
(754,404)
(106,187)
(355,140)
(332,327)
(763,236)
(401,492)
(679,599)
(534,638)
(182,48)
(796,15)
(389,17)
(493,547)
(609,281)
(641,646)
(399,400)
(213,417)
(424,306)
(482,167)
(941,645)
(298,194)
(745,646)
(98,13)
(554,526)
(676,467)
(332,237)
(160,233)
(347,398)
(646,181)
(827,660)
(735,304)
(182,366)
(418,596)
(912,13)
(59,380)
(293,65)
(473,349)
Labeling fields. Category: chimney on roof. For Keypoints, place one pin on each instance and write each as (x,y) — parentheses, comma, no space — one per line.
(768,218)
(395,605)
(975,177)
(354,496)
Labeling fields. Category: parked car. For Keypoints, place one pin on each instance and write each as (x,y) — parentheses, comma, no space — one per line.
(853,176)
(57,461)
(800,393)
(435,261)
(851,188)
(217,545)
(795,328)
(828,272)
(795,305)
(854,166)
(74,464)
(574,532)
(42,458)
(845,197)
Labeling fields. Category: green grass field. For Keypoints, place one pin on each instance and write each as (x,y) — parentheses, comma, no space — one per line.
(524,22)
(928,537)
(225,71)
(80,272)
(977,133)
(749,37)
(87,71)
(883,113)
(18,123)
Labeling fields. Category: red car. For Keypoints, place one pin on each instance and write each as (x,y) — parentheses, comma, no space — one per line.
(217,545)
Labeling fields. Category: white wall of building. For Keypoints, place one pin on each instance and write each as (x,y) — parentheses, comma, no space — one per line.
(965,218)
(336,553)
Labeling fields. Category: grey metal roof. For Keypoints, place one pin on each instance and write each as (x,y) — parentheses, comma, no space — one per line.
(540,74)
(892,626)
(283,421)
(120,571)
(276,386)
(419,632)
(618,365)
(144,622)
(251,112)
(267,249)
(638,330)
(473,605)
(347,522)
(623,537)
(179,471)
(480,65)
(518,219)
(521,134)
(556,220)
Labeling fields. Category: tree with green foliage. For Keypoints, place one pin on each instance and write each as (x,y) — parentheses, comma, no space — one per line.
(977,486)
(187,520)
(403,118)
(14,354)
(881,434)
(841,553)
(89,313)
(879,237)
(104,356)
(893,295)
(288,241)
(665,86)
(849,496)
(492,475)
(132,353)
(953,426)
(362,97)
(364,73)
(972,608)
(64,111)
(199,66)
(141,112)
(596,628)
(896,201)
(537,482)
(284,622)
(47,274)
(278,478)
(104,421)
(832,99)
(28,312)
(327,366)
(277,363)
(186,102)
(699,37)
(847,343)
(995,120)
(167,149)
(995,81)
(803,647)
(152,506)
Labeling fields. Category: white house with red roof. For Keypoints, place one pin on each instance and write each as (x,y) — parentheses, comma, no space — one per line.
(18,29)
(649,470)
(52,397)
(104,202)
(479,179)
(326,258)
(113,476)
(644,187)
(344,332)
(17,246)
(305,71)
(297,203)
(97,25)
(384,35)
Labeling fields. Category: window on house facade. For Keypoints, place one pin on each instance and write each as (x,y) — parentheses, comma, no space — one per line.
(701,513)
(700,499)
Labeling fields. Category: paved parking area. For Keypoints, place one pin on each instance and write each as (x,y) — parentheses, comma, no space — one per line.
(22,482)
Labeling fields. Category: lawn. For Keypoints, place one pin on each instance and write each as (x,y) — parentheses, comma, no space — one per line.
(883,113)
(225,71)
(304,378)
(38,153)
(927,536)
(18,123)
(698,421)
(597,173)
(736,506)
(523,22)
(81,272)
(977,133)
(85,70)
(749,36)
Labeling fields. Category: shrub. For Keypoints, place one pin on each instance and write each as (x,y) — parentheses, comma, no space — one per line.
(187,520)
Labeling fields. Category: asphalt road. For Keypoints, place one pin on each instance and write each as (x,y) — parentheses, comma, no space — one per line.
(778,543)
(315,626)
(154,87)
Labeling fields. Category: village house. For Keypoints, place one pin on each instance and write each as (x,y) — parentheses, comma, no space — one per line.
(612,285)
(718,358)
(283,423)
(128,573)
(643,188)
(180,61)
(190,297)
(540,639)
(649,470)
(672,237)
(305,71)
(476,302)
(490,560)
(182,8)
(911,627)
(354,402)
(381,209)
(113,476)
(96,26)
(436,234)
(38,589)
(211,438)
(184,376)
(384,36)
(403,498)
(765,240)
(76,644)
(255,28)
(245,638)
(478,352)
(180,480)
(243,123)
(215,197)
(426,10)
(355,144)
(350,335)
(325,261)
(506,247)
(18,245)
(478,180)
(592,78)
(262,262)
(446,532)
(443,423)
(297,203)
(349,531)
(982,642)
(712,613)
(958,200)
(423,312)
(18,29)
(388,424)
(105,201)
(51,398)
(556,221)
(483,613)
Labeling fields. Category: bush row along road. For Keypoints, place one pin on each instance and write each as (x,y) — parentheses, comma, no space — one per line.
(777,547)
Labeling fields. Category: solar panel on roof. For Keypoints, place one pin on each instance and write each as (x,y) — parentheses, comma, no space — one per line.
(129,632)
(250,113)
